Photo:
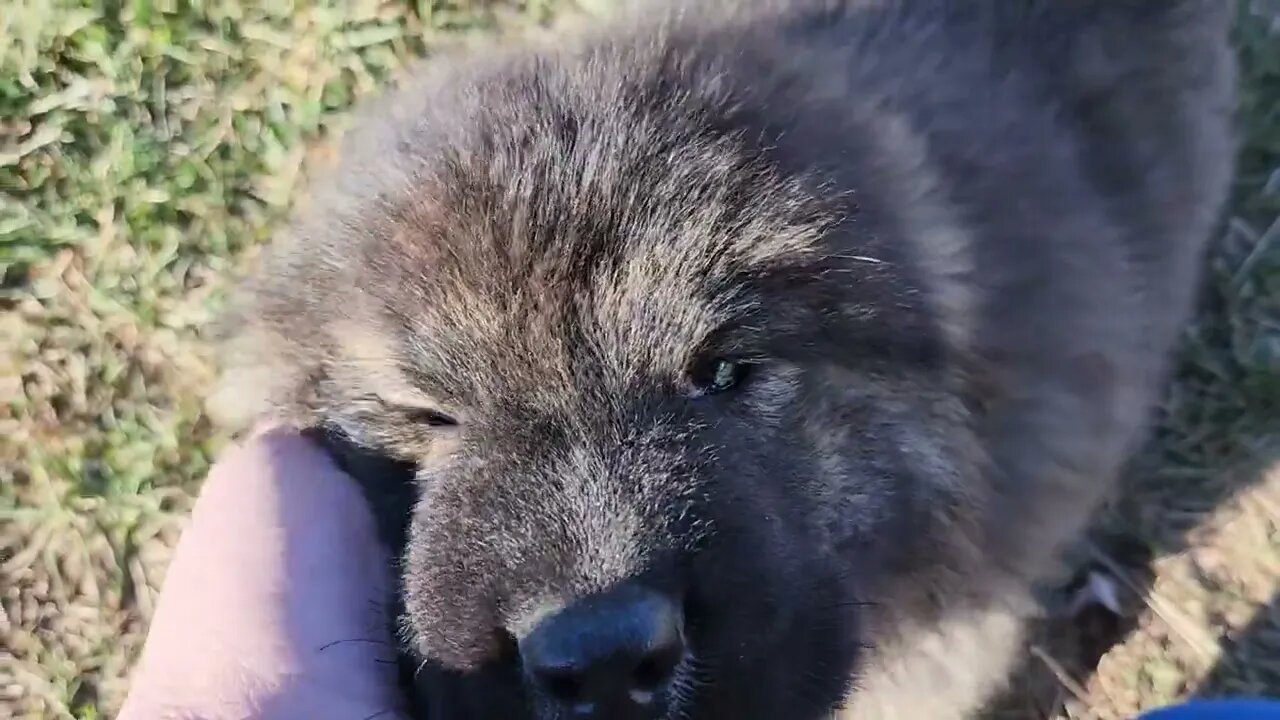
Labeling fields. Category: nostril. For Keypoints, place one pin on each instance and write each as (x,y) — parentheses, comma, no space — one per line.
(648,674)
(562,685)
(655,670)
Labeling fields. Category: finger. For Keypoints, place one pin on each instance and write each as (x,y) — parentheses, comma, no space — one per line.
(280,559)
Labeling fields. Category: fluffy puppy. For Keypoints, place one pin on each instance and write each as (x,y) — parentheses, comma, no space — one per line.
(751,360)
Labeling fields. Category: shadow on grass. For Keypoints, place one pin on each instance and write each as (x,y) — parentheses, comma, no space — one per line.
(1154,516)
(1249,665)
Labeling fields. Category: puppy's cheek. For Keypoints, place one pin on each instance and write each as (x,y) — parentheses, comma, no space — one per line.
(436,452)
(453,573)
(770,399)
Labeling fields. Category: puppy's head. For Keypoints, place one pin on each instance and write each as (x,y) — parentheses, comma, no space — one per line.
(678,412)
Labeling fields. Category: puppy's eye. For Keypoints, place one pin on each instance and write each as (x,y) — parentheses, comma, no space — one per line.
(433,418)
(717,375)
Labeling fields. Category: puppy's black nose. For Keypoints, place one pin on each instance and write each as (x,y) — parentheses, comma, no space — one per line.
(606,656)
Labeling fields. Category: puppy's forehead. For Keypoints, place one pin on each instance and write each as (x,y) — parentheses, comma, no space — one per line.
(552,254)
(641,307)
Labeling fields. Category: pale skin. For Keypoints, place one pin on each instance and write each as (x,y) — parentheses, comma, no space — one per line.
(272,603)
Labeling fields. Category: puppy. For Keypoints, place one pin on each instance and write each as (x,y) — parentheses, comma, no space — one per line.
(751,360)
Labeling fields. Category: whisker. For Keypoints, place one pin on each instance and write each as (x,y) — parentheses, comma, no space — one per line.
(856,603)
(370,641)
(683,687)
(857,258)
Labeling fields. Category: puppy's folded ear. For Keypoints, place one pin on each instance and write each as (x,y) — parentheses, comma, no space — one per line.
(269,364)
(254,382)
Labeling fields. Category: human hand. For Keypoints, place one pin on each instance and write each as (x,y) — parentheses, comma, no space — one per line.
(272,606)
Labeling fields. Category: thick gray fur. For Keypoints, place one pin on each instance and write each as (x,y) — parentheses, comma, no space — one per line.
(956,240)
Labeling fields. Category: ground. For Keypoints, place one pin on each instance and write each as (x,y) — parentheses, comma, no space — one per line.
(147,147)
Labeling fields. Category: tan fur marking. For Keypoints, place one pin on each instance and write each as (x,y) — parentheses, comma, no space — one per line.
(930,674)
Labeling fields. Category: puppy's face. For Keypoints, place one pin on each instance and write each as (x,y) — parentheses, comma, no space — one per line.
(676,434)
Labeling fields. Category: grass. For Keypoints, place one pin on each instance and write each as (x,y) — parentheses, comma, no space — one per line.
(147,147)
